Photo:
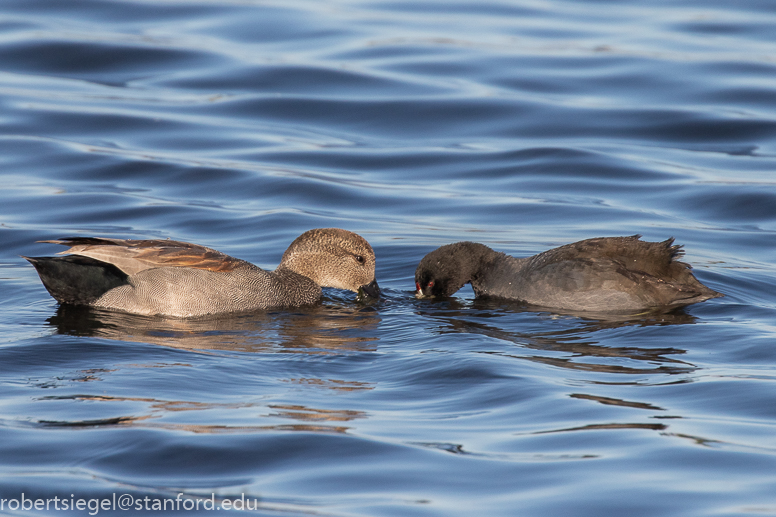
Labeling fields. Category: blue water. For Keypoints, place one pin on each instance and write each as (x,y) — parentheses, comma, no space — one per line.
(523,125)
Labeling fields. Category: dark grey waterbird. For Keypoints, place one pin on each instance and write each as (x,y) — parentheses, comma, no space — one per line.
(179,279)
(603,274)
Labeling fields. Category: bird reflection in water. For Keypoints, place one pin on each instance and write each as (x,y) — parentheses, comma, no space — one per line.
(575,344)
(310,330)
(314,330)
(581,343)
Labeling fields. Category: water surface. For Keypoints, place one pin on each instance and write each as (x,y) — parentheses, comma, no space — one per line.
(522,125)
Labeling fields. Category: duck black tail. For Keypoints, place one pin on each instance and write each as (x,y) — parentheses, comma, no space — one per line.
(77,280)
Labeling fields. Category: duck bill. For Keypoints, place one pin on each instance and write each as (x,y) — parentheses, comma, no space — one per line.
(370,290)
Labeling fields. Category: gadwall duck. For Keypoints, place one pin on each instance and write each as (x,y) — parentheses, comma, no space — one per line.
(603,274)
(179,279)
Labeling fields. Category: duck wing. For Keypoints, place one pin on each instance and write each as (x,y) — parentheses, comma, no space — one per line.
(133,256)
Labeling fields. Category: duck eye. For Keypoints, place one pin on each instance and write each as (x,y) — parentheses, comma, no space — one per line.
(360,259)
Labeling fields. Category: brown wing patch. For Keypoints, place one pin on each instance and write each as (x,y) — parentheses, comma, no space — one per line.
(133,256)
(183,254)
